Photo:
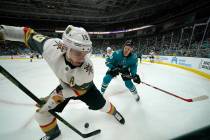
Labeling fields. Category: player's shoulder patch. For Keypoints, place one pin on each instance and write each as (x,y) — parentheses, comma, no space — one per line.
(54,42)
(88,66)
(58,43)
(39,37)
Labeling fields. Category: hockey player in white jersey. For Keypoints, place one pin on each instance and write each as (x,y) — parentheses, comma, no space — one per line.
(109,51)
(152,56)
(68,58)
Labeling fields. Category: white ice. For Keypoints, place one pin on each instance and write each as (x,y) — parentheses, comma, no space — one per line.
(157,117)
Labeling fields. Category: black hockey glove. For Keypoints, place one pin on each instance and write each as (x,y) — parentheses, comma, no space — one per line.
(125,71)
(126,77)
(137,79)
(114,71)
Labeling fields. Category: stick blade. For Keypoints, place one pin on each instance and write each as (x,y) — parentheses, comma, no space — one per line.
(91,133)
(200,98)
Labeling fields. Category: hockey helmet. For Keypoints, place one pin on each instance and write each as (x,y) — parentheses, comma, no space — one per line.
(77,38)
(108,48)
(129,43)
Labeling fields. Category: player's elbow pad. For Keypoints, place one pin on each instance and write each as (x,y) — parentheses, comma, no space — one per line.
(12,33)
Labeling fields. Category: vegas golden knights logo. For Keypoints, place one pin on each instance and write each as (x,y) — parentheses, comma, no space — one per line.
(88,68)
(60,46)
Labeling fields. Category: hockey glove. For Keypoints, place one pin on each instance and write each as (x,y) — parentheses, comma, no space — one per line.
(124,71)
(114,71)
(54,99)
(126,77)
(137,79)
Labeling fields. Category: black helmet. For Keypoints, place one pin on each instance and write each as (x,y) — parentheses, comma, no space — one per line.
(129,43)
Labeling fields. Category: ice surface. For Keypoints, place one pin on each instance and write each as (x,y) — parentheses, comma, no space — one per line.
(157,116)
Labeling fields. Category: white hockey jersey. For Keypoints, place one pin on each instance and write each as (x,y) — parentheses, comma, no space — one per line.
(74,80)
(78,78)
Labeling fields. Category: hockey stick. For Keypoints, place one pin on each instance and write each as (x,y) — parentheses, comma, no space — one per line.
(199,98)
(30,94)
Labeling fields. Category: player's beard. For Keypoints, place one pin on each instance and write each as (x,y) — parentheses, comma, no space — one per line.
(73,60)
(126,53)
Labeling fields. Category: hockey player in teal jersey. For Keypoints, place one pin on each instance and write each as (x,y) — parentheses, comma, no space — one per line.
(123,62)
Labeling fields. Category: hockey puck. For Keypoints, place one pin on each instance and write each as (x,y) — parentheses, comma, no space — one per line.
(86,125)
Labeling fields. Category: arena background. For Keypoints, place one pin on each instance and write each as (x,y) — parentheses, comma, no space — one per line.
(178,31)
